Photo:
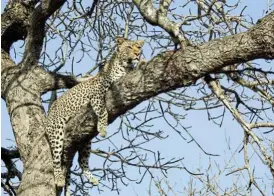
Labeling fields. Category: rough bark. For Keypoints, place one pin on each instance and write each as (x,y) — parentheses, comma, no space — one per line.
(23,85)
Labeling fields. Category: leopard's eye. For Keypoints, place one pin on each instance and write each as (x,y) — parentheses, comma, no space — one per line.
(129,47)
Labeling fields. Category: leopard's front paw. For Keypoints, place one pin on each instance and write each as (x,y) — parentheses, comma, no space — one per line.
(102,130)
(103,133)
(60,179)
(91,178)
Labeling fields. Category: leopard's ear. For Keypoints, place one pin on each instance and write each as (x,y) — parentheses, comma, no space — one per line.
(120,40)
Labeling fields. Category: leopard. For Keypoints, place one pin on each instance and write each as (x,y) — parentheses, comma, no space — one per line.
(85,94)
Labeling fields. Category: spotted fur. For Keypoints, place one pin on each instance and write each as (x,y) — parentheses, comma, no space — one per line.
(90,92)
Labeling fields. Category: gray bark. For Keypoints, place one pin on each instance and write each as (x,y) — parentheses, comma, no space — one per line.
(23,84)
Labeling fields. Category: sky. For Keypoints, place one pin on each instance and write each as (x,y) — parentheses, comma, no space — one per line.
(212,138)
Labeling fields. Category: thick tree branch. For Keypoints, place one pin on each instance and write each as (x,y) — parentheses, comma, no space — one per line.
(45,81)
(14,22)
(164,6)
(20,18)
(36,30)
(55,81)
(11,154)
(6,61)
(158,17)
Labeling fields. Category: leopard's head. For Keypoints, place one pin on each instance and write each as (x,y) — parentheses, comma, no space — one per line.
(129,51)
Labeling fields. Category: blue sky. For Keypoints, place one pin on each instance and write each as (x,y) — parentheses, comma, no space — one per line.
(212,138)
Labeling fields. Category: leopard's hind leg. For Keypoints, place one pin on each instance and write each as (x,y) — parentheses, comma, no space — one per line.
(56,139)
(84,154)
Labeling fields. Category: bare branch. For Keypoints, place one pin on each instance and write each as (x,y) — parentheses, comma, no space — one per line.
(258,125)
(7,188)
(91,11)
(254,85)
(215,87)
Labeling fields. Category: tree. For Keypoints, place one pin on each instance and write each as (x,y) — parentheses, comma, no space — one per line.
(202,51)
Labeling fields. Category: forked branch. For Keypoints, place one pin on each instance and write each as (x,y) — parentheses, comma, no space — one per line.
(218,91)
(158,17)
